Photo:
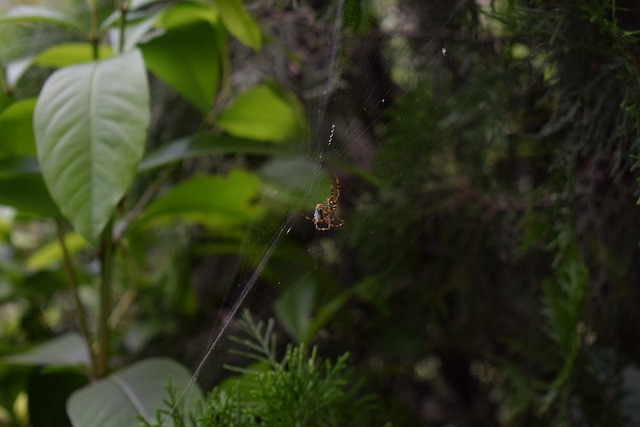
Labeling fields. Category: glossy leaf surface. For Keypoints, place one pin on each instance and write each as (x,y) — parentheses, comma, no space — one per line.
(265,114)
(91,124)
(187,59)
(216,201)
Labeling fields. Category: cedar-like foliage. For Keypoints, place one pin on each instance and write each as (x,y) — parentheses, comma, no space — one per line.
(298,390)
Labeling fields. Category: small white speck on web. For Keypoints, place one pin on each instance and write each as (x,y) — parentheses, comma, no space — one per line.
(444,51)
(288,230)
(333,129)
(383,100)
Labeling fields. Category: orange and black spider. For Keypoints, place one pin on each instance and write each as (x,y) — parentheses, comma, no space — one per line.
(326,214)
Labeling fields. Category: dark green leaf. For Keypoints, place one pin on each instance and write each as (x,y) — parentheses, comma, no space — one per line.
(187,59)
(295,307)
(240,23)
(117,400)
(22,187)
(5,100)
(91,123)
(16,129)
(216,201)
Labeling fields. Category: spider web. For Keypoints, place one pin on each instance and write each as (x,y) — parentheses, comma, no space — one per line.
(342,118)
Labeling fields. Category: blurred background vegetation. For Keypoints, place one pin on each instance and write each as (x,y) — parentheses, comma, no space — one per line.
(485,275)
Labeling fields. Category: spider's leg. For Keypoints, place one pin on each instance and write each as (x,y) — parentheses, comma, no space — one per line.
(306,217)
(337,188)
(337,222)
(331,200)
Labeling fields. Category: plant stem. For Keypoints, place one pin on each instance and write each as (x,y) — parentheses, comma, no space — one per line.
(73,286)
(94,38)
(123,7)
(137,210)
(105,302)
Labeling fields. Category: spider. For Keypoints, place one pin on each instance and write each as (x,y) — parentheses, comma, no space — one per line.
(326,214)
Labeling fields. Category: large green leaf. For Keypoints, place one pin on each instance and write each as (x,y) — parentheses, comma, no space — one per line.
(28,13)
(67,349)
(216,201)
(187,59)
(139,389)
(65,54)
(240,23)
(264,113)
(90,124)
(16,129)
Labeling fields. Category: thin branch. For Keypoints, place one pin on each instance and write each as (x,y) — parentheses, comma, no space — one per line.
(73,287)
(94,38)
(137,210)
(123,7)
(105,302)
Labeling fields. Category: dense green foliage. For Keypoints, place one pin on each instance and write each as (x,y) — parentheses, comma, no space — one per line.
(298,390)
(156,159)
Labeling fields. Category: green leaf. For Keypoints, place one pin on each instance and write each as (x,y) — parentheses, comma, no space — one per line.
(16,129)
(5,100)
(216,201)
(22,187)
(295,307)
(65,54)
(91,123)
(137,4)
(206,144)
(265,114)
(117,400)
(40,14)
(134,32)
(240,23)
(299,313)
(50,255)
(187,59)
(67,349)
(16,69)
(186,13)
